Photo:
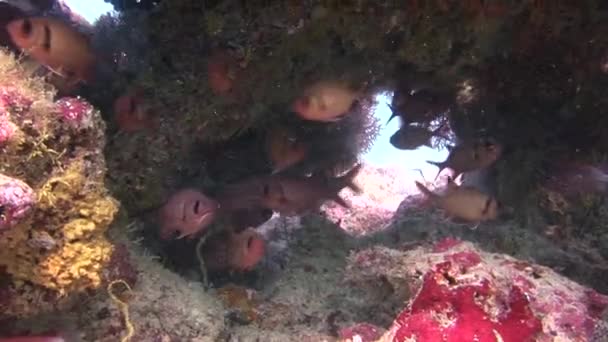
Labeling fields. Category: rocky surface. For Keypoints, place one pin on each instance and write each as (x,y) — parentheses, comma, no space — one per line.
(459,293)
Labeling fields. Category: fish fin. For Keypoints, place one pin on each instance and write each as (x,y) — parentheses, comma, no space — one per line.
(486,206)
(393,114)
(426,190)
(440,165)
(348,178)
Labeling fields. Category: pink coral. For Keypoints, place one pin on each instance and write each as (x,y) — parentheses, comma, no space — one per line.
(16,200)
(466,294)
(75,111)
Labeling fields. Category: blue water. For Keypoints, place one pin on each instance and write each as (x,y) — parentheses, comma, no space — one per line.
(384,154)
(90,9)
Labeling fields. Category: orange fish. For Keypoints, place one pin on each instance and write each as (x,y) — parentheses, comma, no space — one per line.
(248,217)
(284,149)
(187,212)
(468,157)
(221,72)
(131,115)
(325,101)
(8,13)
(231,251)
(463,202)
(575,178)
(55,44)
(292,195)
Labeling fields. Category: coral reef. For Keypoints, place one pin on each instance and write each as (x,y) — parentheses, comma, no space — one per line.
(221,76)
(55,206)
(463,293)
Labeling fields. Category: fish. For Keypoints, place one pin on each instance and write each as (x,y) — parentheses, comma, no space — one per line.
(284,149)
(468,157)
(243,195)
(222,70)
(187,212)
(411,137)
(249,217)
(420,106)
(8,13)
(131,114)
(231,251)
(463,202)
(575,178)
(297,195)
(325,101)
(55,44)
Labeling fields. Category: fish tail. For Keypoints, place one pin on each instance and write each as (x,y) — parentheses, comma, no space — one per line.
(348,179)
(426,190)
(393,114)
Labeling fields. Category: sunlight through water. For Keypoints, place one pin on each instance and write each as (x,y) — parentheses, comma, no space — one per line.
(90,9)
(383,154)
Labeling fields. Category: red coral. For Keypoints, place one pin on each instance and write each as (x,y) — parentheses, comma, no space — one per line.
(75,111)
(445,311)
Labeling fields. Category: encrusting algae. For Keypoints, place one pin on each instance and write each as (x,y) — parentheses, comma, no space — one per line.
(52,239)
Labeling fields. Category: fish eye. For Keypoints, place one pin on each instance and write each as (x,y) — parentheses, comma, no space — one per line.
(249,241)
(196,206)
(26,27)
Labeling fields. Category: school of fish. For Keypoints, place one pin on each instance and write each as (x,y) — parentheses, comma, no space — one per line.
(188,213)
